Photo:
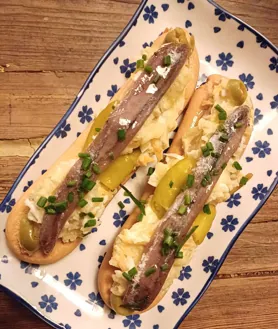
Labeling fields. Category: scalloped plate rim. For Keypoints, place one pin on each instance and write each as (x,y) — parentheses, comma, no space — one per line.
(70,110)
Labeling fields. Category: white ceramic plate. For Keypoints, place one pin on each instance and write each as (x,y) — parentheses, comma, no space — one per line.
(65,294)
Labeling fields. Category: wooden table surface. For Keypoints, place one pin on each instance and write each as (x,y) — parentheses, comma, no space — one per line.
(47,49)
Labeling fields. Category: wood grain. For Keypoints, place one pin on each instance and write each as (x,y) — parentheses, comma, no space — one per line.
(47,49)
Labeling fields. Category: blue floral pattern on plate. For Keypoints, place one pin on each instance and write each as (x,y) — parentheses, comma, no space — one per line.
(230,44)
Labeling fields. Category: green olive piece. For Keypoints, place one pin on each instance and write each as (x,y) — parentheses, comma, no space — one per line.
(177,36)
(116,303)
(237,91)
(28,234)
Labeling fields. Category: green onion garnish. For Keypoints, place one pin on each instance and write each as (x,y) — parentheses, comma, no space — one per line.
(140,217)
(71,183)
(221,128)
(238,125)
(91,215)
(168,231)
(206,153)
(96,169)
(87,184)
(88,174)
(41,202)
(121,135)
(132,272)
(190,180)
(219,108)
(70,197)
(224,165)
(156,79)
(127,276)
(84,155)
(224,138)
(206,209)
(237,166)
(187,199)
(96,199)
(164,267)
(148,69)
(182,209)
(210,146)
(86,163)
(52,198)
(97,130)
(204,182)
(60,206)
(222,116)
(204,149)
(167,60)
(215,155)
(208,178)
(82,203)
(188,235)
(144,57)
(140,64)
(111,155)
(50,211)
(150,171)
(243,181)
(150,271)
(168,241)
(179,254)
(90,223)
(215,172)
(121,205)
(81,195)
(136,201)
(171,184)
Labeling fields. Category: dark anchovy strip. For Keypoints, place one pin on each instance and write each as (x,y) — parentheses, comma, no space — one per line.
(129,115)
(144,289)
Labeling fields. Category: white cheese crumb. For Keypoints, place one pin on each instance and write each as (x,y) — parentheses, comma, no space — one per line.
(124,122)
(163,71)
(152,89)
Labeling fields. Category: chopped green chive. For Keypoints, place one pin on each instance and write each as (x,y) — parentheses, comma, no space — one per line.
(222,116)
(243,181)
(150,271)
(179,254)
(167,60)
(215,155)
(111,155)
(52,198)
(187,199)
(237,166)
(206,153)
(86,163)
(88,174)
(204,182)
(168,241)
(168,231)
(41,202)
(238,125)
(140,64)
(121,135)
(126,193)
(138,203)
(60,206)
(82,203)
(81,195)
(156,79)
(87,184)
(144,57)
(190,180)
(148,69)
(224,165)
(171,184)
(164,267)
(91,215)
(127,276)
(121,205)
(224,138)
(221,128)
(208,178)
(96,199)
(71,183)
(209,146)
(90,223)
(97,130)
(188,235)
(206,209)
(215,172)
(70,197)
(182,210)
(96,169)
(132,272)
(82,215)
(140,217)
(219,108)
(150,171)
(50,211)
(84,155)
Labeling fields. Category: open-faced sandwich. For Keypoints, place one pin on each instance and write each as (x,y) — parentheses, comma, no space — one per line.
(59,209)
(200,170)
